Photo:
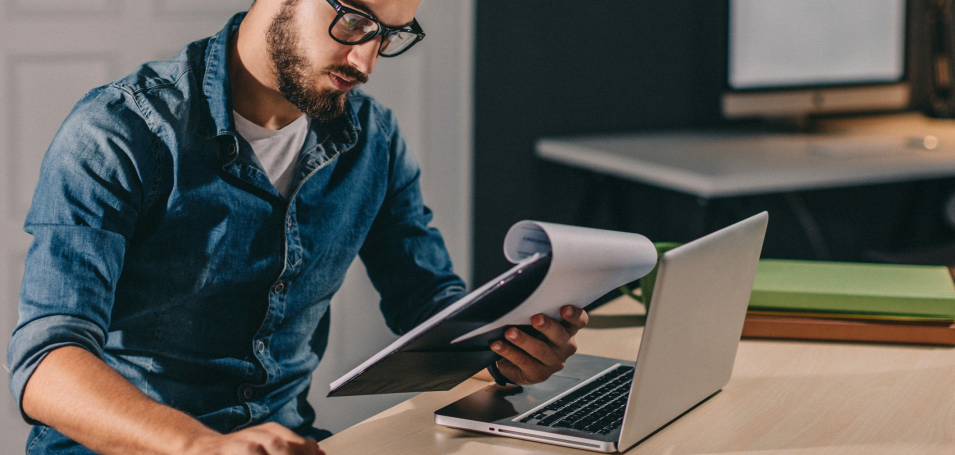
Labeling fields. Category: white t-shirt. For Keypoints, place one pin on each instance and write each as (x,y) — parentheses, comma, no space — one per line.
(277,150)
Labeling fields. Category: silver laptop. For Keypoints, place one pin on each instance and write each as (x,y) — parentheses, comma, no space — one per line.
(686,356)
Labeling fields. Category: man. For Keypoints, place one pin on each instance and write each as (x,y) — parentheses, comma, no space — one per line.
(192,222)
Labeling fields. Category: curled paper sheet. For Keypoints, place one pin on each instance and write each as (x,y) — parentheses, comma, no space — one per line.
(585,264)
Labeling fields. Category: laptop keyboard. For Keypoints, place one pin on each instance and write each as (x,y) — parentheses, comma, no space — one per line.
(597,407)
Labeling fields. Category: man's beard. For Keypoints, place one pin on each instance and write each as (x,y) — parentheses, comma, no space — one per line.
(297,82)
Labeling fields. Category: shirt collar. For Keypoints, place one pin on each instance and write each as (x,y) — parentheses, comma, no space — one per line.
(215,84)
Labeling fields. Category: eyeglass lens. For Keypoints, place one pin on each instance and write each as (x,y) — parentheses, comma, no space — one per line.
(395,43)
(353,28)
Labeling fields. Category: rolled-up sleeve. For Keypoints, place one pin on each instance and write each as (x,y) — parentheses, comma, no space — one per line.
(83,214)
(406,259)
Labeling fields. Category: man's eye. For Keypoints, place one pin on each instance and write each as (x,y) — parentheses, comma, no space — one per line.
(352,22)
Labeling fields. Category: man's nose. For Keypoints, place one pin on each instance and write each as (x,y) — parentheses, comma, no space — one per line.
(363,56)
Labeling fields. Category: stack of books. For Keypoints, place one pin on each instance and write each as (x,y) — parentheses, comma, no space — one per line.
(814,300)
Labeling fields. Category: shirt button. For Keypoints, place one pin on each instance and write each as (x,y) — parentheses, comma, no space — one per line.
(247,393)
(278,288)
(289,221)
(232,149)
(260,346)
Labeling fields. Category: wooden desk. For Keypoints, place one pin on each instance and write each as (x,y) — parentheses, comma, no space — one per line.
(784,398)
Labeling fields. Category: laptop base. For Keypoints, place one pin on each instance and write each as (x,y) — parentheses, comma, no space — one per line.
(497,410)
(530,435)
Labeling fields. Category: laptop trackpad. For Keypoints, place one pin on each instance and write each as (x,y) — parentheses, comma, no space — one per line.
(495,403)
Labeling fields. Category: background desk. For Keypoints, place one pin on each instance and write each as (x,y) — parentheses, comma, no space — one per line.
(853,190)
(722,163)
(784,398)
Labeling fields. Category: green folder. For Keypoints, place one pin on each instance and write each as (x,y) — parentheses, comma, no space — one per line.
(851,288)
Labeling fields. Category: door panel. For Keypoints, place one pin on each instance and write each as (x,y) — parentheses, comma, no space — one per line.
(51,53)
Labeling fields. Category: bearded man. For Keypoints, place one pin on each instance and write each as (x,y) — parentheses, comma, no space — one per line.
(192,222)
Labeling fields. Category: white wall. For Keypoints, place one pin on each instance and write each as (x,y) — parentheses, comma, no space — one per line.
(53,51)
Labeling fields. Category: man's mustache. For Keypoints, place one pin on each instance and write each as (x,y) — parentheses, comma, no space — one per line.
(347,71)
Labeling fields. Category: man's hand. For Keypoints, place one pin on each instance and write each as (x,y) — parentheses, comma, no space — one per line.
(530,360)
(266,439)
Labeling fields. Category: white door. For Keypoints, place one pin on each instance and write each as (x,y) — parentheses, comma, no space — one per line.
(54,51)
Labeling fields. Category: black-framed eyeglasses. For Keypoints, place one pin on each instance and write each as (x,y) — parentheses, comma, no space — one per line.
(355,27)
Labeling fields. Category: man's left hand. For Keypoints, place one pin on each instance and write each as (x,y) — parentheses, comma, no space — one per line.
(530,360)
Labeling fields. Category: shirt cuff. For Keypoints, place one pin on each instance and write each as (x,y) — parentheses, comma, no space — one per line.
(31,342)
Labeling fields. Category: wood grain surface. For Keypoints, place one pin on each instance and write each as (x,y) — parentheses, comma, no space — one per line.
(785,397)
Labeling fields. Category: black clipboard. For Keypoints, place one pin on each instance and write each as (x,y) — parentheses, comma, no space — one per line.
(424,359)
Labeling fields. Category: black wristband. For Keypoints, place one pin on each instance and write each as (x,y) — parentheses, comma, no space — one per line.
(499,378)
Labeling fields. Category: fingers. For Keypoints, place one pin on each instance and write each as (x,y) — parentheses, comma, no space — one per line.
(513,372)
(557,334)
(517,365)
(574,318)
(540,350)
(529,360)
(274,439)
(312,445)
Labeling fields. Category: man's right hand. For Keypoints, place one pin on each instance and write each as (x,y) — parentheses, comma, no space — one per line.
(78,394)
(265,439)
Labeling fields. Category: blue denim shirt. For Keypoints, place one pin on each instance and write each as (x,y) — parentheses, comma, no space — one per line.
(160,245)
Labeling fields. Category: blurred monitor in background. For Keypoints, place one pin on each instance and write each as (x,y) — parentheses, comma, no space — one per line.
(797,58)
